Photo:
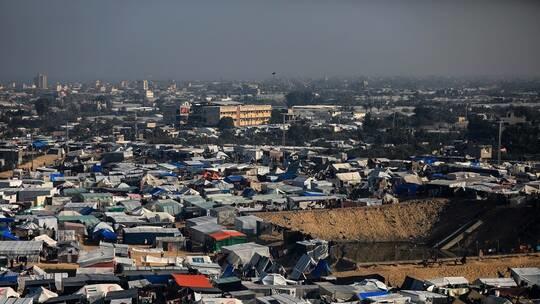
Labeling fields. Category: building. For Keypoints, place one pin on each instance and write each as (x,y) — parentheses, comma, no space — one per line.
(242,115)
(41,81)
(145,85)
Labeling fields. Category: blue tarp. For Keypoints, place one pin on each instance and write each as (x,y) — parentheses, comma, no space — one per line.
(39,144)
(426,159)
(54,176)
(313,193)
(248,192)
(234,178)
(9,277)
(322,269)
(86,210)
(97,168)
(7,235)
(364,295)
(178,165)
(406,189)
(228,272)
(156,191)
(106,235)
(287,176)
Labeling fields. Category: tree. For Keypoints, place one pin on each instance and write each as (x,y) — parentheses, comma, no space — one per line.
(42,106)
(277,116)
(299,98)
(226,123)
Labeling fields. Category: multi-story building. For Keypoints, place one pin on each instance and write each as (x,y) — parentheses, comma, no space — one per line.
(41,81)
(242,115)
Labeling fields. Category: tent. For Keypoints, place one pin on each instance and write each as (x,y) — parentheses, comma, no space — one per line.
(8,292)
(226,238)
(275,279)
(97,291)
(104,231)
(192,280)
(241,254)
(41,294)
(46,239)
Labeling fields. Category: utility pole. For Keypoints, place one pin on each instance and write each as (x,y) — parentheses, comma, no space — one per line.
(500,140)
(284,131)
(67,138)
(32,151)
(136,128)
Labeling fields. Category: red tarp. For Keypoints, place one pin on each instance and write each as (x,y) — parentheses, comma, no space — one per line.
(192,280)
(225,234)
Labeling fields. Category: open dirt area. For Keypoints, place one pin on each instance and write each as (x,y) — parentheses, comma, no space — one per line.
(415,220)
(473,269)
(39,161)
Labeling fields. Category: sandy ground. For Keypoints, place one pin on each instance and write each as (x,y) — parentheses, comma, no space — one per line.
(473,269)
(38,162)
(382,223)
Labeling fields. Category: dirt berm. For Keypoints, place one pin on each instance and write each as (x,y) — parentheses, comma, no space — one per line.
(421,220)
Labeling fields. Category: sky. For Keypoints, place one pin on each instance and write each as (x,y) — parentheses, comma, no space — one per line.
(81,40)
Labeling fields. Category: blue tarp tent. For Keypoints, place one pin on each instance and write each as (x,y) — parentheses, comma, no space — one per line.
(7,235)
(248,192)
(228,272)
(97,168)
(105,235)
(8,278)
(234,178)
(364,295)
(39,144)
(429,160)
(313,193)
(406,189)
(54,176)
(322,269)
(86,211)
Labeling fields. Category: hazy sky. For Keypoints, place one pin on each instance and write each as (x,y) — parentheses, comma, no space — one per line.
(249,39)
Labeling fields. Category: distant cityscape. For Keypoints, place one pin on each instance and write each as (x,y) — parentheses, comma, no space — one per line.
(334,190)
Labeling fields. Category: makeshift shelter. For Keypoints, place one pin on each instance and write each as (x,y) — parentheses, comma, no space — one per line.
(241,254)
(97,291)
(14,249)
(145,235)
(8,292)
(99,257)
(197,281)
(169,206)
(424,297)
(41,294)
(227,238)
(225,215)
(526,276)
(46,240)
(105,232)
(200,234)
(247,224)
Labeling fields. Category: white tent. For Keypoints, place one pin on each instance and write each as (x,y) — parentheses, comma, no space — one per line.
(97,291)
(42,294)
(8,292)
(46,239)
(104,226)
(275,279)
(69,213)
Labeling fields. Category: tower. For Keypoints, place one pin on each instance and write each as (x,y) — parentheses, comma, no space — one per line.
(41,81)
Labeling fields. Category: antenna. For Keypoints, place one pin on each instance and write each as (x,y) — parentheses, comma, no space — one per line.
(500,140)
